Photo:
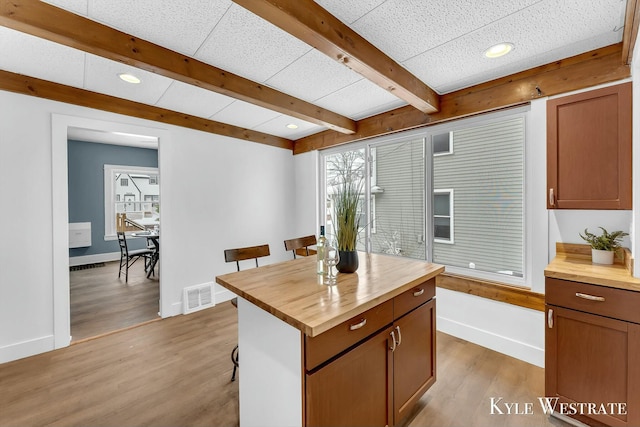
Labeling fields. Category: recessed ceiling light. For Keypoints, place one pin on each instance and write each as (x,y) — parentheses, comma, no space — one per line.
(498,50)
(292,126)
(129,78)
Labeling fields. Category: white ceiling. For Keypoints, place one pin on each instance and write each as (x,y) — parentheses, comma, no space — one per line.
(440,42)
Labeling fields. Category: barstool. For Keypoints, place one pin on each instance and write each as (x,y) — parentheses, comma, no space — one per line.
(237,255)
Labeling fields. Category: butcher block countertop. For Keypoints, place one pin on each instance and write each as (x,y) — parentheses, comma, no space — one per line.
(293,292)
(573,262)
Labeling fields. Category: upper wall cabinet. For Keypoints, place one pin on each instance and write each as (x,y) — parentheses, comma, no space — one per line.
(589,150)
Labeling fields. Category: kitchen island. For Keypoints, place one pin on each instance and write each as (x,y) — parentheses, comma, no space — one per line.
(360,352)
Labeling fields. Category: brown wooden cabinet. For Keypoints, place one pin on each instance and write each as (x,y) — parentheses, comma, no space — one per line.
(592,353)
(589,150)
(372,369)
(354,389)
(414,359)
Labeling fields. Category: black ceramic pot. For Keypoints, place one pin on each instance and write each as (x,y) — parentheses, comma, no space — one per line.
(348,262)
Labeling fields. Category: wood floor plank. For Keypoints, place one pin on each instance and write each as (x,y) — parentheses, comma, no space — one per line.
(468,377)
(102,303)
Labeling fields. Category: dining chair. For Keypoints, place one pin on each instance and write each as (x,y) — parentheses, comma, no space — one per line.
(237,255)
(128,258)
(300,243)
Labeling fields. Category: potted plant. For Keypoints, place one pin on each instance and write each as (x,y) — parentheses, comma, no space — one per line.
(347,224)
(604,246)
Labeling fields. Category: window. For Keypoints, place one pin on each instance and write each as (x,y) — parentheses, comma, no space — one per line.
(442,144)
(392,216)
(443,216)
(487,174)
(399,192)
(129,190)
(462,208)
(344,166)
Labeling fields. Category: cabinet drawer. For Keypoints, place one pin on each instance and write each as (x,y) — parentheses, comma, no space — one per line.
(611,302)
(326,345)
(414,297)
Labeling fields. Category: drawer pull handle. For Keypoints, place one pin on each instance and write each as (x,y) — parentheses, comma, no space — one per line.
(550,318)
(358,325)
(418,293)
(395,343)
(399,335)
(589,297)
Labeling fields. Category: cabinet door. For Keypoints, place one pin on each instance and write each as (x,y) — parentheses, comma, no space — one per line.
(354,389)
(414,359)
(589,150)
(593,359)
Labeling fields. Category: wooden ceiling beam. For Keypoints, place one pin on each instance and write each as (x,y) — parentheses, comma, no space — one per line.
(57,25)
(630,34)
(26,85)
(578,72)
(309,22)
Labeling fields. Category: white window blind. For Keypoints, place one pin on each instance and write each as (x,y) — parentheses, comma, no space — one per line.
(399,199)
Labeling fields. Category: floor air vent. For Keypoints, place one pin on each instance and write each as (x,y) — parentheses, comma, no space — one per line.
(198,297)
(86,266)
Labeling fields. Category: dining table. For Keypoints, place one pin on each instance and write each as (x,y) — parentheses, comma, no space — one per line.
(152,236)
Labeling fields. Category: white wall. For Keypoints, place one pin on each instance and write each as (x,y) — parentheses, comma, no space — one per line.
(219,193)
(216,193)
(306,180)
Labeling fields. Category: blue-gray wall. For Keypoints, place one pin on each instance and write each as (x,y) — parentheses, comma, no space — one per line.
(86,188)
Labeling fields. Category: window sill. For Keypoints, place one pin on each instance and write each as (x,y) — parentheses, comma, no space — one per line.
(496,291)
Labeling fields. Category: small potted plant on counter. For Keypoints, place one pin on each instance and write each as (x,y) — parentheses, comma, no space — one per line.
(604,246)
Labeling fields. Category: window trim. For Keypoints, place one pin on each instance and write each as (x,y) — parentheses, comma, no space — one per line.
(443,153)
(449,241)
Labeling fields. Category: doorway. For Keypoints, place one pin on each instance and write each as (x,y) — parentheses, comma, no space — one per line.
(110,176)
(61,124)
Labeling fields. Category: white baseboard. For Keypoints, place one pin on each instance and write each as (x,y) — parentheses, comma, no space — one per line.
(92,259)
(487,339)
(224,295)
(26,348)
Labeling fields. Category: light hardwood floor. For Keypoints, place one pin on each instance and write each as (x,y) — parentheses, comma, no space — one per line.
(102,303)
(173,372)
(176,371)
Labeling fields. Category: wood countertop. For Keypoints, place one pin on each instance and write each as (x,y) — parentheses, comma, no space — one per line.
(573,262)
(293,291)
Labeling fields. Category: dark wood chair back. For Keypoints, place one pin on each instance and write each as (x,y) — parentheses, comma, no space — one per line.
(300,243)
(250,252)
(237,255)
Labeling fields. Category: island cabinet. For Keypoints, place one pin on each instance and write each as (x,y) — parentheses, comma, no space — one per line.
(592,354)
(372,369)
(359,352)
(589,150)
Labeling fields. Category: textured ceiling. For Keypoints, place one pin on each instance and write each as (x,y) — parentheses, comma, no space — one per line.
(440,42)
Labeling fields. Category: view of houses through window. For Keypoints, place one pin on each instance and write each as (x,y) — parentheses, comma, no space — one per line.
(452,194)
(133,191)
